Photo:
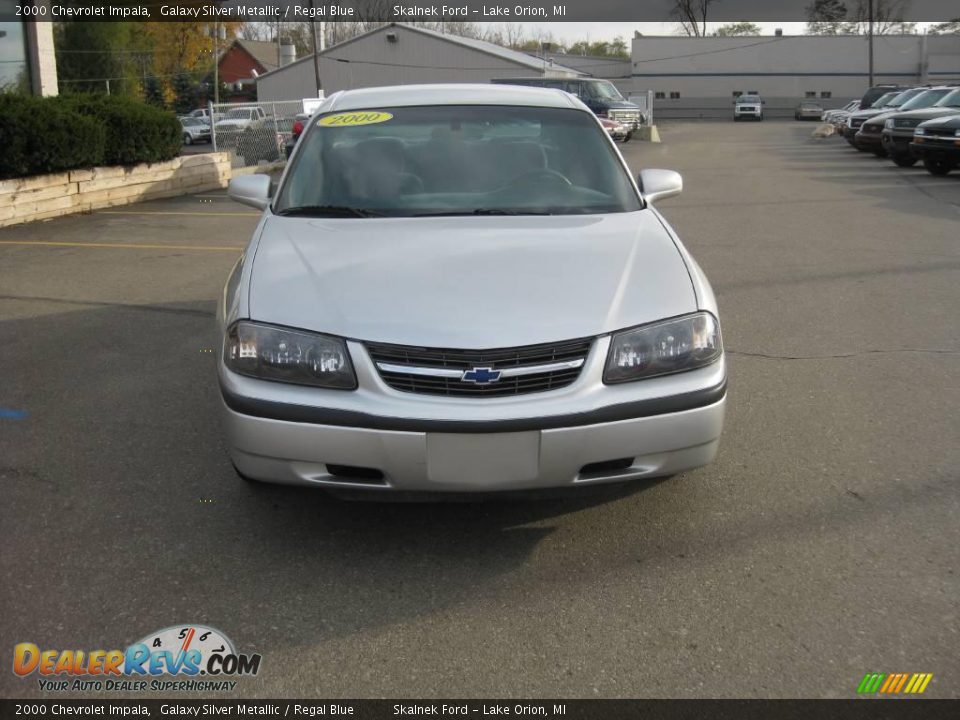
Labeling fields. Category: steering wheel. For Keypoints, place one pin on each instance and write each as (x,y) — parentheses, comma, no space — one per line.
(533,175)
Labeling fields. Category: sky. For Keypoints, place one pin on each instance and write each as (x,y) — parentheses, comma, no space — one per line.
(593,31)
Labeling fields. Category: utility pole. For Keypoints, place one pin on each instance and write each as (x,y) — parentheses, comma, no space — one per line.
(870,36)
(317,48)
(218,33)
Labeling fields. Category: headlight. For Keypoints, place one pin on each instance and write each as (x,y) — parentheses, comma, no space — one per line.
(662,348)
(888,124)
(292,356)
(956,133)
(919,131)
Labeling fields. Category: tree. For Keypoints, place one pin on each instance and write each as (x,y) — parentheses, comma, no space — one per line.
(184,92)
(89,54)
(825,17)
(946,28)
(692,16)
(153,91)
(739,29)
(887,17)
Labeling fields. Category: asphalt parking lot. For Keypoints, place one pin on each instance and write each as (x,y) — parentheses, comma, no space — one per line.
(822,544)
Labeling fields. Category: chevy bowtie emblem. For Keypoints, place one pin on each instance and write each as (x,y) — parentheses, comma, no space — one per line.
(481,376)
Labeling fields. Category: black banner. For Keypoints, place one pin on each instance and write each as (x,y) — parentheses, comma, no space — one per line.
(863,709)
(452,10)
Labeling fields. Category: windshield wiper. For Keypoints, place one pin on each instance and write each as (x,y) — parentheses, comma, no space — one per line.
(482,211)
(328,211)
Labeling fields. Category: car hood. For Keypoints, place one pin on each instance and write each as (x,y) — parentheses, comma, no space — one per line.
(622,105)
(948,121)
(868,113)
(928,113)
(469,283)
(881,118)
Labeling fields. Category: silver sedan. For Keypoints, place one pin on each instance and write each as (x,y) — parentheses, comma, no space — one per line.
(461,288)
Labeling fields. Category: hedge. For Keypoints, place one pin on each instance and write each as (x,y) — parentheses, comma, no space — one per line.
(52,134)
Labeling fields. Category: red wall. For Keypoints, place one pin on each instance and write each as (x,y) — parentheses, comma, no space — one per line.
(236,64)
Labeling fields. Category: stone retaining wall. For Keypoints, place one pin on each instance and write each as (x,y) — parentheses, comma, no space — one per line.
(46,196)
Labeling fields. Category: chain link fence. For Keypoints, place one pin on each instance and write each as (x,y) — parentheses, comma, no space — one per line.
(254,133)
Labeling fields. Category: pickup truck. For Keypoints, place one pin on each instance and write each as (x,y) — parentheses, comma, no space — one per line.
(235,121)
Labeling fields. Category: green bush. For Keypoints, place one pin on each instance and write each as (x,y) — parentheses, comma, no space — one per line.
(41,135)
(38,136)
(136,132)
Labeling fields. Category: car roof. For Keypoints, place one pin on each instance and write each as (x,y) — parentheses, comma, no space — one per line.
(452,94)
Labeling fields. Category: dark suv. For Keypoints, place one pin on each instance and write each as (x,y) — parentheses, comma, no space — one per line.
(601,96)
(885,103)
(868,136)
(937,143)
(898,130)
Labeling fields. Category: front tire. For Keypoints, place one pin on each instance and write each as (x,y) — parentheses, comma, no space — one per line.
(880,152)
(187,139)
(904,160)
(937,166)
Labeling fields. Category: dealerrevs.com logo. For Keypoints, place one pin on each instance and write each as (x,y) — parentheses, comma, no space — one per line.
(180,657)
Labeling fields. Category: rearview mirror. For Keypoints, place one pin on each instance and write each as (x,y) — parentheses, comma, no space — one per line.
(252,190)
(659,184)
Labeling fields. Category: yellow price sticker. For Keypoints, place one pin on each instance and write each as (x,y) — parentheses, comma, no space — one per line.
(352,119)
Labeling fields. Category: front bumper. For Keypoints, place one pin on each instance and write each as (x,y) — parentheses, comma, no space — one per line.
(868,141)
(938,149)
(382,439)
(896,143)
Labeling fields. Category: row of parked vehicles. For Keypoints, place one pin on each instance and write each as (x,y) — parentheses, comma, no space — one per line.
(906,124)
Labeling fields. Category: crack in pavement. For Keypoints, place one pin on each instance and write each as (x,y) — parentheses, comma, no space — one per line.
(859,353)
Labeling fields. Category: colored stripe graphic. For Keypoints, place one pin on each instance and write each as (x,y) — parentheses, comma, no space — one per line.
(871,682)
(894,683)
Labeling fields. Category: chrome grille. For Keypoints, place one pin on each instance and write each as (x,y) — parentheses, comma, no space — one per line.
(522,370)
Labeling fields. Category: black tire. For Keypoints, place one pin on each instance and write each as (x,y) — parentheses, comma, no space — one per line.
(936,166)
(187,140)
(736,118)
(880,152)
(902,160)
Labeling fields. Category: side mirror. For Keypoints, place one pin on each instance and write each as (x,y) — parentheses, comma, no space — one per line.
(252,190)
(659,184)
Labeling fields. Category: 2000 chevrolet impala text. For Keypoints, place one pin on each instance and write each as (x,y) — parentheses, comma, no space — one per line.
(461,288)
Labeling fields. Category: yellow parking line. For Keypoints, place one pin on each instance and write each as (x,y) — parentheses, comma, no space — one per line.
(133,246)
(172,212)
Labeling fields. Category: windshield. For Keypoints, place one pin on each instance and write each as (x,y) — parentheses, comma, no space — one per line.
(456,160)
(605,91)
(899,100)
(924,99)
(884,100)
(748,99)
(952,99)
(238,114)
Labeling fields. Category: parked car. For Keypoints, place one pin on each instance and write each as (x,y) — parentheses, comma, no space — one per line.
(808,111)
(748,107)
(354,354)
(296,130)
(937,143)
(601,96)
(872,135)
(868,137)
(832,115)
(855,119)
(235,121)
(194,130)
(619,131)
(897,136)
